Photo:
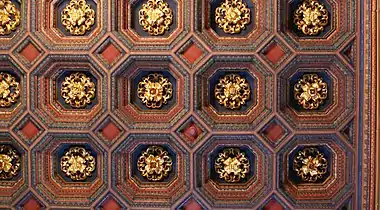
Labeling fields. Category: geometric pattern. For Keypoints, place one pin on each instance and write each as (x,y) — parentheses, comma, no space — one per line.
(224,104)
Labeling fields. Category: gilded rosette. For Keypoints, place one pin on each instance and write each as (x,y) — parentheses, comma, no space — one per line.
(310,91)
(232,16)
(78,17)
(78,164)
(311,17)
(155,163)
(155,90)
(78,90)
(232,165)
(232,91)
(10,17)
(10,162)
(156,17)
(9,90)
(310,164)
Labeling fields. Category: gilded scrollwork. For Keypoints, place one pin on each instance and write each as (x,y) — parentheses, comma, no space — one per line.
(232,165)
(155,163)
(78,164)
(155,90)
(156,17)
(78,17)
(78,90)
(9,90)
(310,164)
(310,91)
(232,16)
(10,17)
(10,162)
(311,17)
(232,91)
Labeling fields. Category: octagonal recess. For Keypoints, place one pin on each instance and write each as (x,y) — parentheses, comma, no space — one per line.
(60,5)
(8,115)
(49,31)
(259,28)
(48,104)
(132,187)
(10,40)
(55,187)
(332,188)
(336,108)
(247,193)
(257,107)
(12,188)
(135,26)
(128,29)
(130,109)
(340,28)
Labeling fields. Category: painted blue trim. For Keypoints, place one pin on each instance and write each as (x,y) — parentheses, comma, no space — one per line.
(361,92)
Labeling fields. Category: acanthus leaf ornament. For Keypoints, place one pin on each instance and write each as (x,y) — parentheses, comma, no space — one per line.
(232,91)
(78,17)
(78,90)
(78,164)
(155,17)
(232,16)
(310,91)
(9,90)
(155,90)
(310,164)
(10,162)
(10,17)
(232,165)
(155,164)
(311,17)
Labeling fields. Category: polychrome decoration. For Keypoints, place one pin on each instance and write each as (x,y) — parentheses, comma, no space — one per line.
(232,91)
(78,90)
(155,17)
(232,16)
(78,17)
(10,17)
(155,163)
(9,90)
(78,164)
(311,17)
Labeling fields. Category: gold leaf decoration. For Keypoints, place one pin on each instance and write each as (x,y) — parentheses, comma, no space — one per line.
(155,90)
(155,17)
(78,90)
(232,16)
(232,91)
(78,163)
(311,17)
(232,165)
(310,91)
(78,17)
(155,163)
